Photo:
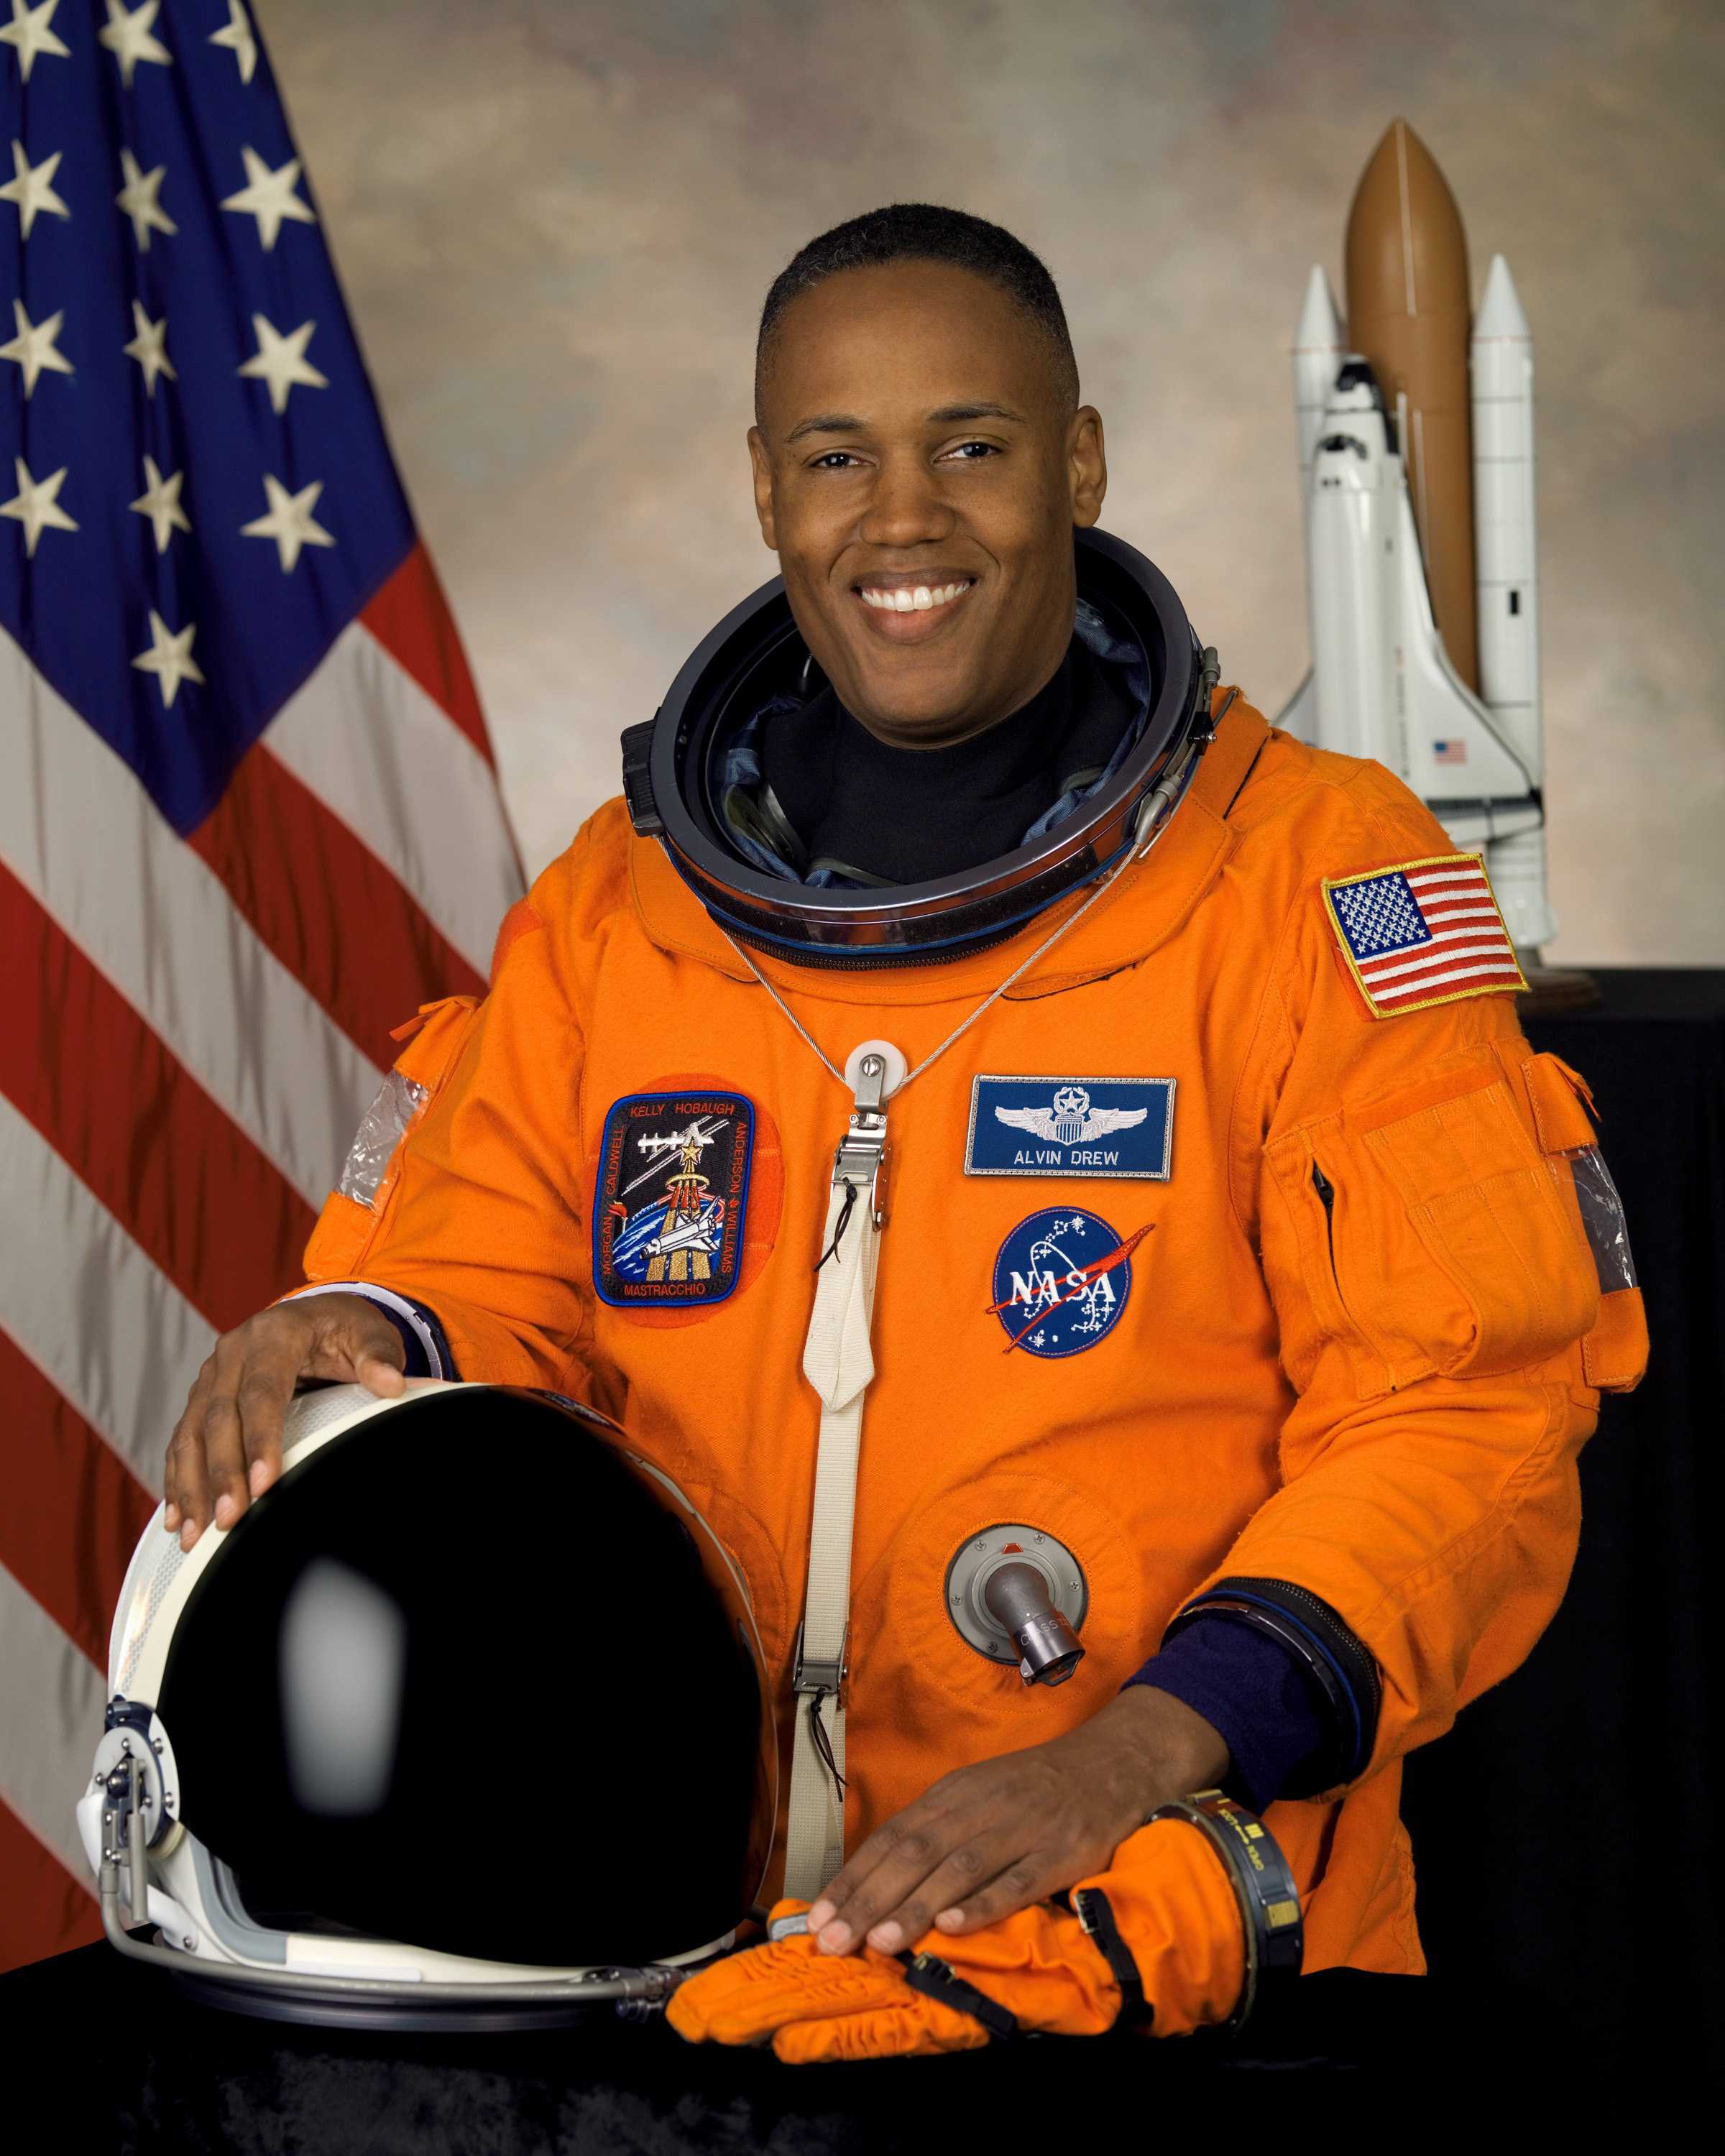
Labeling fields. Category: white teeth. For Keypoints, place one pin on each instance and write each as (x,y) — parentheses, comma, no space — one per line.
(920,598)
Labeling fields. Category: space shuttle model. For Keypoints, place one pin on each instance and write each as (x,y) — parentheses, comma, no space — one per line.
(1415,427)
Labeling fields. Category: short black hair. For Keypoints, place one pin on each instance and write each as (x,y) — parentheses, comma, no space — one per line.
(925,231)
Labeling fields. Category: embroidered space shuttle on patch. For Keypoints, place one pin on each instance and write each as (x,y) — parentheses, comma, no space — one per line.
(1422,932)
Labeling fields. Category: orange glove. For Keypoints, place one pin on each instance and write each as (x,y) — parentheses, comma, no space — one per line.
(1174,1910)
(816,2006)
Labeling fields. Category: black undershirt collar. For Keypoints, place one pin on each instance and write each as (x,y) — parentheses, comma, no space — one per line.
(909,816)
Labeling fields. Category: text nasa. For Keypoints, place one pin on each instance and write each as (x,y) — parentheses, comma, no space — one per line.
(1045,1286)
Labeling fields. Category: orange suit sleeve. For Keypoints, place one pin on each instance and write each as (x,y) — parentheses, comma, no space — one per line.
(1408,1179)
(477,1217)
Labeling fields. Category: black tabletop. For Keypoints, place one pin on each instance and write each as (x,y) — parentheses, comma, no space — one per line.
(140,2068)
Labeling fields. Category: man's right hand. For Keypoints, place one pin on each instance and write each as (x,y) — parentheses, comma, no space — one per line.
(226,1448)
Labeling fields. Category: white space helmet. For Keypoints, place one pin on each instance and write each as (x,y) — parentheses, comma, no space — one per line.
(377,1756)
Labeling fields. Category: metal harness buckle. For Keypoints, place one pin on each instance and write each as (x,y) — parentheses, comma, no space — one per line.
(824,1676)
(861,1154)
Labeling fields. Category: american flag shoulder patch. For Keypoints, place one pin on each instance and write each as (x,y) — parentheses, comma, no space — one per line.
(1422,932)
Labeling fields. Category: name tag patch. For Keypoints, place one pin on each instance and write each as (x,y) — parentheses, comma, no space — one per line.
(1106,1126)
(672,1197)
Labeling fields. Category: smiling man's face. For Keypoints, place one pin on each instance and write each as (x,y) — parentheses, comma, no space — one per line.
(919,474)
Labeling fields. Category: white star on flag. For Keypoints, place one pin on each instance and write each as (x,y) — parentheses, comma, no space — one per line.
(238,35)
(29,32)
(289,522)
(128,37)
(36,504)
(33,347)
(137,199)
(149,348)
(169,657)
(281,361)
(269,197)
(160,502)
(32,188)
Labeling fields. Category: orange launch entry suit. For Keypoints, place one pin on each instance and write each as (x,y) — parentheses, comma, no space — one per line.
(1380,1402)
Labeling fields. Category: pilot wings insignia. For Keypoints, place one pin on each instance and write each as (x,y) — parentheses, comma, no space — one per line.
(1071,1121)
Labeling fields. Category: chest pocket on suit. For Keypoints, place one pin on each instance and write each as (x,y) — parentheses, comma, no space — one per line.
(1447,1238)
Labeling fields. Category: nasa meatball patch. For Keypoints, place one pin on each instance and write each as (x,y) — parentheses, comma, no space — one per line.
(672,1196)
(1119,1126)
(1061,1278)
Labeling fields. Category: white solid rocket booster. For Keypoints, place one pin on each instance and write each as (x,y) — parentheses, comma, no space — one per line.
(1500,365)
(1501,362)
(1319,350)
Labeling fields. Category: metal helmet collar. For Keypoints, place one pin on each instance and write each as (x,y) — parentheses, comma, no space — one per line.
(756,652)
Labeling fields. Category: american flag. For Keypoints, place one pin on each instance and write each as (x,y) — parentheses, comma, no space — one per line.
(248,814)
(1426,932)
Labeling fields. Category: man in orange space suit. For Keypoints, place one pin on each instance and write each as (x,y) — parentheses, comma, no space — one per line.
(1176,1377)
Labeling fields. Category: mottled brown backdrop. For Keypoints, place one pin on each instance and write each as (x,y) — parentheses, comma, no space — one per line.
(556,220)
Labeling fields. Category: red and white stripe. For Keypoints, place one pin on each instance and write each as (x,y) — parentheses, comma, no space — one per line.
(1470,946)
(192,1028)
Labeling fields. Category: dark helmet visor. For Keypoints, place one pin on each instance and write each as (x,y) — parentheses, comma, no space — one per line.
(534,1733)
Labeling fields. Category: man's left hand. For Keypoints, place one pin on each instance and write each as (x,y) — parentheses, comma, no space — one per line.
(990,1839)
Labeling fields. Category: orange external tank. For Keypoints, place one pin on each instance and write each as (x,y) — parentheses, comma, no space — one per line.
(1408,312)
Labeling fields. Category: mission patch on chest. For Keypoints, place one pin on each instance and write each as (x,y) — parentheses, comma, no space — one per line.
(673,1193)
(1063,1126)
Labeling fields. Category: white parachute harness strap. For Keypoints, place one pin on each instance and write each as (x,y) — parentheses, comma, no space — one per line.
(838,1361)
